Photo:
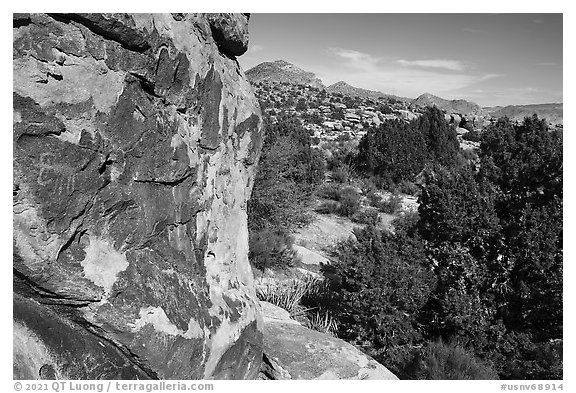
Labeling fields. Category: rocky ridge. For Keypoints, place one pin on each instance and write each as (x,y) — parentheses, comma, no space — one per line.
(461,107)
(283,72)
(344,88)
(553,112)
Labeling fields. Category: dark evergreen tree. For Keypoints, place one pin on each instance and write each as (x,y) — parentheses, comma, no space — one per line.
(379,283)
(288,173)
(399,151)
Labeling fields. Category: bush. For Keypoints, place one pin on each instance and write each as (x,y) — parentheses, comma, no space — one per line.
(328,207)
(329,191)
(378,284)
(390,205)
(469,155)
(409,188)
(288,172)
(398,151)
(472,136)
(441,361)
(367,217)
(368,186)
(271,249)
(341,174)
(525,359)
(406,223)
(349,202)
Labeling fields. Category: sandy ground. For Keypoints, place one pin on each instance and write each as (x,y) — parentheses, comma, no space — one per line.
(313,242)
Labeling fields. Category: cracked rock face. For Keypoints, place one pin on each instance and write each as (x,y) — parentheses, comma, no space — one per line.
(135,139)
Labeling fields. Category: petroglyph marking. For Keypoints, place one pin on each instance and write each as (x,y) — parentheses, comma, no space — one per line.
(52,172)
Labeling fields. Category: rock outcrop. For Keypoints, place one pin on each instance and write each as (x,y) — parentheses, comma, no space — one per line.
(292,351)
(281,71)
(230,32)
(344,88)
(469,109)
(135,139)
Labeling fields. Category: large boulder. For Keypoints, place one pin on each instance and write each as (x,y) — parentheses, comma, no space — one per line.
(230,32)
(135,142)
(292,351)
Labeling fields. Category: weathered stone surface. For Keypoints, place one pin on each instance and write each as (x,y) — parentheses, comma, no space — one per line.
(135,141)
(273,313)
(295,352)
(230,32)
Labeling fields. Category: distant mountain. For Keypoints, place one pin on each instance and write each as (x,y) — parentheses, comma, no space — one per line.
(282,71)
(552,112)
(345,89)
(462,107)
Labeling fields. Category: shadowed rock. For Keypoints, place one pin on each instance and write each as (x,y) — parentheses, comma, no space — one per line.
(230,32)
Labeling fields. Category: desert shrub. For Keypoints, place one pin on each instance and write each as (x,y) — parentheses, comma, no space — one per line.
(328,207)
(366,216)
(368,186)
(441,361)
(329,191)
(349,202)
(523,358)
(373,197)
(469,155)
(406,223)
(384,181)
(390,205)
(288,172)
(472,135)
(278,204)
(271,249)
(341,174)
(408,187)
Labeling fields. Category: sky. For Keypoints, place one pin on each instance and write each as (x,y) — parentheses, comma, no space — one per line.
(490,59)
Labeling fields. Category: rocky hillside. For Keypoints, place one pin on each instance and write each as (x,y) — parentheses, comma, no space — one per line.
(328,116)
(554,112)
(135,139)
(462,107)
(283,72)
(344,88)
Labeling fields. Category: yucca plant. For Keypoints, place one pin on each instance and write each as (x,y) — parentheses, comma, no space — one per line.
(288,295)
(323,323)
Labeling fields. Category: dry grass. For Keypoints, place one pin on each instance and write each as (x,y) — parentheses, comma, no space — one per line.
(288,295)
(323,323)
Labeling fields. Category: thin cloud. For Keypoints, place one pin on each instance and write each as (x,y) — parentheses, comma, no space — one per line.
(255,48)
(537,21)
(486,77)
(355,58)
(452,65)
(513,96)
(376,73)
(473,31)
